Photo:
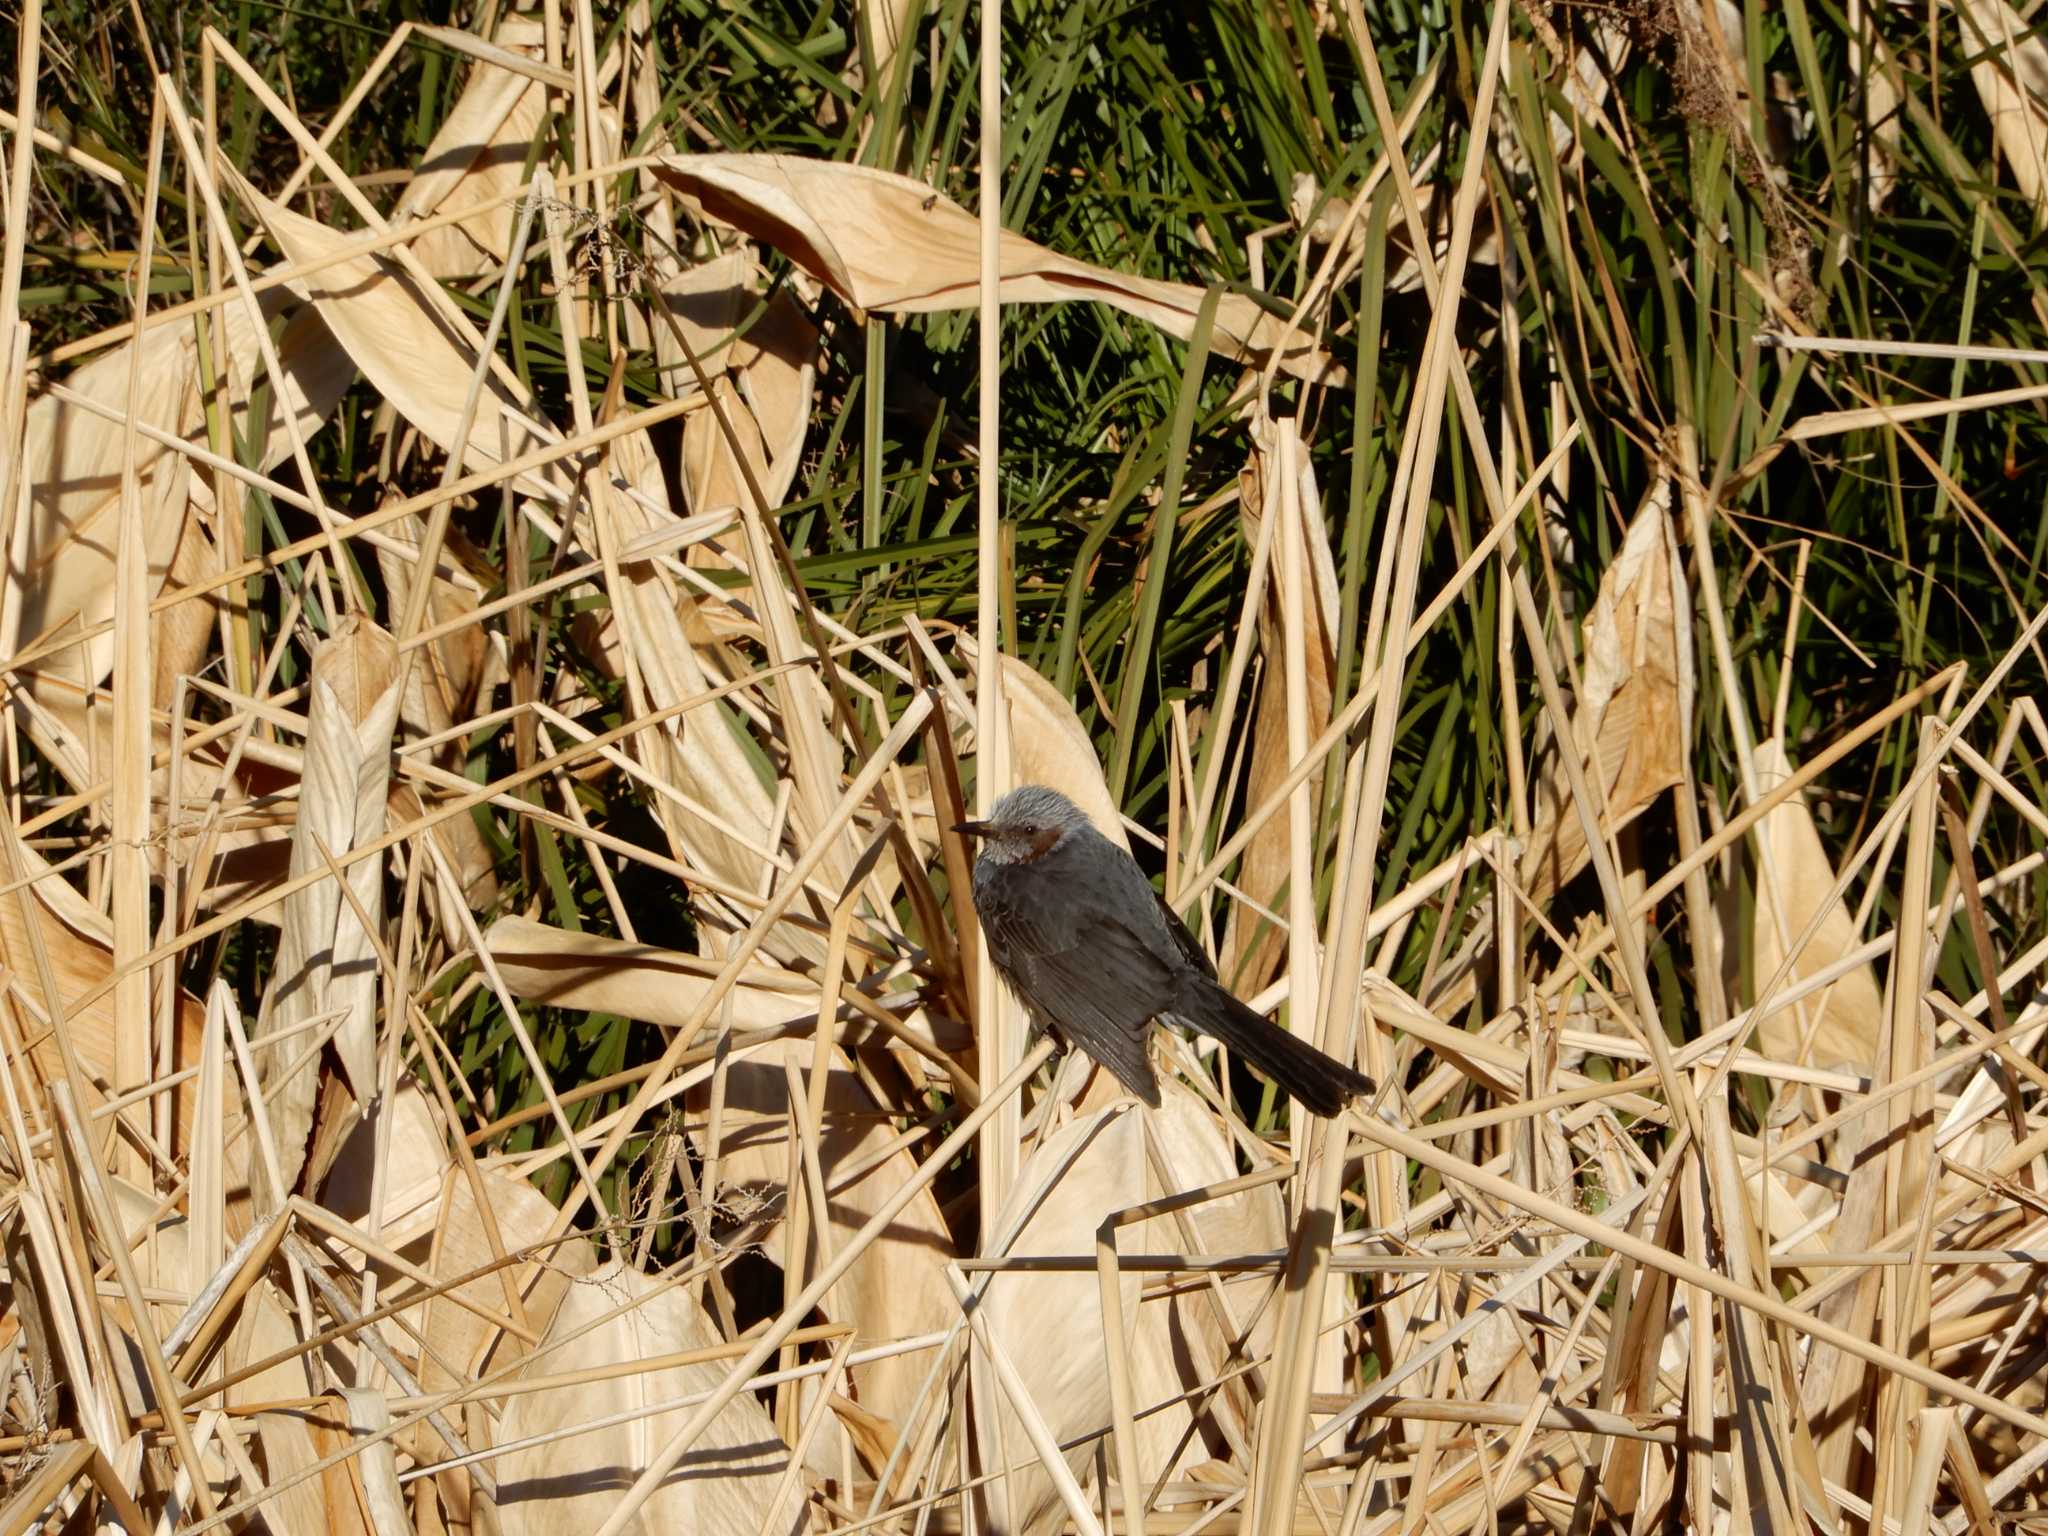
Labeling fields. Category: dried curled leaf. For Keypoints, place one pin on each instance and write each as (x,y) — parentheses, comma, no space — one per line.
(404,338)
(638,981)
(1051,1326)
(1793,876)
(1253,949)
(76,938)
(765,398)
(431,1216)
(896,1288)
(1634,711)
(2010,73)
(890,244)
(326,959)
(63,574)
(722,815)
(477,157)
(729,1484)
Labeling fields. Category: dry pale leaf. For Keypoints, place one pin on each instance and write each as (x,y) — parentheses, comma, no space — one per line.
(376,1462)
(637,981)
(402,336)
(2011,77)
(1790,1204)
(726,1485)
(774,366)
(712,477)
(74,732)
(920,815)
(415,1172)
(460,1344)
(477,159)
(261,1330)
(61,574)
(1253,949)
(890,244)
(1793,876)
(1631,721)
(251,851)
(206,1196)
(723,822)
(646,97)
(707,301)
(252,845)
(163,1255)
(896,1288)
(879,1295)
(431,1217)
(1976,1300)
(79,943)
(776,363)
(332,1502)
(441,688)
(326,961)
(1184,1341)
(284,1442)
(1051,1324)
(184,633)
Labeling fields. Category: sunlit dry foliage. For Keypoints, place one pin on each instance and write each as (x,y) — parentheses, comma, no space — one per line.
(508,597)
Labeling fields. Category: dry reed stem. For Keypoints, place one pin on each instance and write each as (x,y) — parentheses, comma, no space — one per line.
(84,1167)
(1285,1420)
(999,1016)
(128,804)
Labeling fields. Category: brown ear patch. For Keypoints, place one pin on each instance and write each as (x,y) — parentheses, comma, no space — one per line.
(1042,844)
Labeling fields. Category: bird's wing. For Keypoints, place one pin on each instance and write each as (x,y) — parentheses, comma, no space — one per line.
(1184,940)
(1087,972)
(1101,968)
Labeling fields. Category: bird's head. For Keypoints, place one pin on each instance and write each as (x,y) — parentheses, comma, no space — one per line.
(1026,824)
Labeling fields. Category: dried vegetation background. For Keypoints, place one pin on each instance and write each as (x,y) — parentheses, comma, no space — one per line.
(1528,522)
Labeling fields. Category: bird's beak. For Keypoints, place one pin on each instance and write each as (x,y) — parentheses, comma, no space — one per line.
(974,828)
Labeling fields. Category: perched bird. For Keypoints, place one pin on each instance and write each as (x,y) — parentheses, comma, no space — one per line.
(1078,932)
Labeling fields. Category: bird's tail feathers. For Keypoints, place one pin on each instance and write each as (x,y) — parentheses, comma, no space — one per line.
(1298,1068)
